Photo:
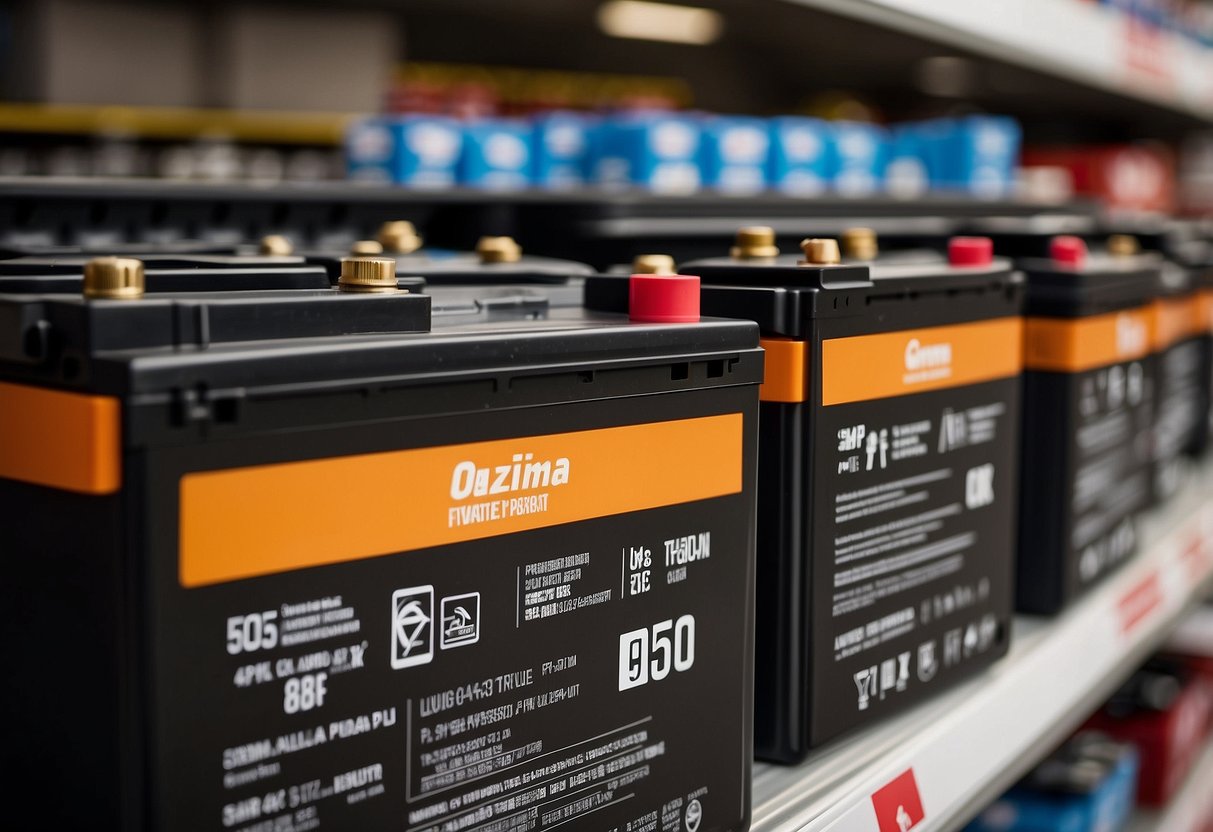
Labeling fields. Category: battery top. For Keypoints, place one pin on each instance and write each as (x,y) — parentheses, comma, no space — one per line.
(255,339)
(47,264)
(167,248)
(783,295)
(195,279)
(1097,283)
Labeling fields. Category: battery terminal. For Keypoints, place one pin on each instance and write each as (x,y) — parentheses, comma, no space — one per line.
(368,274)
(820,252)
(498,250)
(276,245)
(754,242)
(859,243)
(119,278)
(653,264)
(366,248)
(399,237)
(1123,245)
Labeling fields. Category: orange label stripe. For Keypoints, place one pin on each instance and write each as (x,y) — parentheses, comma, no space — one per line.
(785,378)
(1204,310)
(1177,319)
(891,364)
(1076,344)
(71,441)
(242,522)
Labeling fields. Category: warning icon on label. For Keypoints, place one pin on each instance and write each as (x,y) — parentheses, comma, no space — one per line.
(460,620)
(412,626)
(694,814)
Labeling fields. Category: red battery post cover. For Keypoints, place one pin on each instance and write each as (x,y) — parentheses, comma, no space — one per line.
(1069,251)
(970,251)
(1168,741)
(663,298)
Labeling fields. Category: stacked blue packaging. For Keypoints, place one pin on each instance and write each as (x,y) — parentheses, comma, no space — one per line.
(678,153)
(418,151)
(801,161)
(733,153)
(659,152)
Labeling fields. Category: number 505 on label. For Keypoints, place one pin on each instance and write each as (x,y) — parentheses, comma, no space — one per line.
(652,652)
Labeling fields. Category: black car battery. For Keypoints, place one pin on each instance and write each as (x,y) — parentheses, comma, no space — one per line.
(1204,312)
(1180,339)
(1088,425)
(1181,245)
(326,561)
(887,478)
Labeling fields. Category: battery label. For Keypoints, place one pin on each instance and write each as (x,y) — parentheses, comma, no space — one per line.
(452,493)
(1108,481)
(575,673)
(1100,371)
(1073,345)
(911,361)
(915,497)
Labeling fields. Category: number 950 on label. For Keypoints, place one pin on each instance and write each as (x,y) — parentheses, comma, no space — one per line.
(651,653)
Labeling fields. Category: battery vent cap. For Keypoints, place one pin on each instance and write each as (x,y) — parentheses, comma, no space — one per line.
(970,251)
(663,298)
(1069,251)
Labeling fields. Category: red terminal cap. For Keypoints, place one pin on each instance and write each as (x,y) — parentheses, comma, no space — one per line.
(663,298)
(1067,250)
(970,251)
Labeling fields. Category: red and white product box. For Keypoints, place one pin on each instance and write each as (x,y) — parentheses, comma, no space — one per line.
(1136,177)
(1168,741)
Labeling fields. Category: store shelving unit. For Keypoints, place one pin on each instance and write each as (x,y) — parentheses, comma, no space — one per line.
(966,747)
(1078,41)
(1191,807)
(176,123)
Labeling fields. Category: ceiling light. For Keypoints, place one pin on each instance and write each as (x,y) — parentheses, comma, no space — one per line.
(660,21)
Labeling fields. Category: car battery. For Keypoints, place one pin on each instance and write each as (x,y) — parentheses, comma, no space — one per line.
(1088,425)
(1163,710)
(887,477)
(328,561)
(1086,786)
(1179,354)
(1196,256)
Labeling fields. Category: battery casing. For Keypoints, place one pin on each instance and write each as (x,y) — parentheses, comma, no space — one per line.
(887,482)
(296,560)
(1180,417)
(1089,403)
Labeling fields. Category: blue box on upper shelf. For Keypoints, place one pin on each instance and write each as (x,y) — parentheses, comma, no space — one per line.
(496,155)
(560,145)
(859,157)
(733,153)
(977,155)
(801,157)
(656,151)
(418,151)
